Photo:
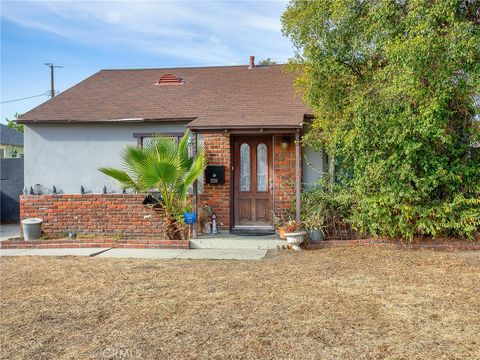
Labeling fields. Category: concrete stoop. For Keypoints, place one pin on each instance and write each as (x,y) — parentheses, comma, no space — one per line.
(234,242)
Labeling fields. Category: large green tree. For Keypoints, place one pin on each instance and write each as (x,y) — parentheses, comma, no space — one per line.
(394,86)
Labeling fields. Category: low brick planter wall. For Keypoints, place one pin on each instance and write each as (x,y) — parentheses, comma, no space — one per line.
(95,243)
(119,215)
(427,244)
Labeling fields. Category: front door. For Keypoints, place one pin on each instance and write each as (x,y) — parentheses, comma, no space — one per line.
(252,167)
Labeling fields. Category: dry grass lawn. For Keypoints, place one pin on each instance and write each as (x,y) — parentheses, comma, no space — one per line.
(354,303)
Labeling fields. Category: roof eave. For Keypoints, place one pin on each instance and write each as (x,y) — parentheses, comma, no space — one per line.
(306,117)
(105,121)
(243,127)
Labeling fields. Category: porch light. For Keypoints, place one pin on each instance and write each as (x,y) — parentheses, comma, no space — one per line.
(285,142)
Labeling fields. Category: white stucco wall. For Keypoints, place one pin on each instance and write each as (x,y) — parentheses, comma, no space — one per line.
(69,156)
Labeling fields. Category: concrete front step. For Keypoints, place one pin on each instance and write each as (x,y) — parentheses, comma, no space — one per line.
(232,242)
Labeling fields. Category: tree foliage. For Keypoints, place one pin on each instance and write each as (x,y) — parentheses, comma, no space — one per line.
(13,123)
(394,87)
(266,62)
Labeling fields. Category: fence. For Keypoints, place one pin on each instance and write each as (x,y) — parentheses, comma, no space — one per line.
(11,187)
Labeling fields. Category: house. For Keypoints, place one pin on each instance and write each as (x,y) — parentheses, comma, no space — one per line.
(11,143)
(11,173)
(249,119)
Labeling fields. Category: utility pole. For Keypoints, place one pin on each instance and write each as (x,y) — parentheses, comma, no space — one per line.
(52,78)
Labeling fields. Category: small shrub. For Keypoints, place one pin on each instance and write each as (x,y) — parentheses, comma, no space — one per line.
(324,205)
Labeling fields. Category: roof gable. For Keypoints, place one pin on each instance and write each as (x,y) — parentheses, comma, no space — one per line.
(228,96)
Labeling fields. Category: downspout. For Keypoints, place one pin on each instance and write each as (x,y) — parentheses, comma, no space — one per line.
(273,181)
(195,189)
(297,177)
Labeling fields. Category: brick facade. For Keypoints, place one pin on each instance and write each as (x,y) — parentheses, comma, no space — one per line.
(218,152)
(124,216)
(121,215)
(284,175)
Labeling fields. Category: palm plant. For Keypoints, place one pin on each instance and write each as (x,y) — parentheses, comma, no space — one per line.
(164,165)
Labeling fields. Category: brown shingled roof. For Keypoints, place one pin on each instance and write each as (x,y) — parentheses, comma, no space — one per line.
(210,97)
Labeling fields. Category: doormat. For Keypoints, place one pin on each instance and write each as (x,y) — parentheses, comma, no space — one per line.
(252,232)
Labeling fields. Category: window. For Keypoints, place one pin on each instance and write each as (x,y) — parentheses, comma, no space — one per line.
(244,167)
(144,138)
(262,167)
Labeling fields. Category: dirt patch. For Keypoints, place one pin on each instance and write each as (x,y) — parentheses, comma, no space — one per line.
(327,304)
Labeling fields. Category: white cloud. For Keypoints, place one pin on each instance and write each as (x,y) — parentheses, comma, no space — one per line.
(204,32)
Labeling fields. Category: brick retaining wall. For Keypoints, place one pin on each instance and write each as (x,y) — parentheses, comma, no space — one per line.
(92,242)
(120,215)
(425,244)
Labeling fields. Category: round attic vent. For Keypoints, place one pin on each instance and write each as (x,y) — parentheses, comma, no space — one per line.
(169,79)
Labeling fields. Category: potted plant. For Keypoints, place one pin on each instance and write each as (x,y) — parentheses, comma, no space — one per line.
(279,226)
(206,216)
(295,236)
(283,225)
(314,225)
(202,218)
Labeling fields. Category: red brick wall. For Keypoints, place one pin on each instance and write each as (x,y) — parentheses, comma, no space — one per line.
(217,152)
(284,175)
(98,214)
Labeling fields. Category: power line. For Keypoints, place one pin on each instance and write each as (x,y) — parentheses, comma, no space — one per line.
(25,98)
(111,66)
(52,81)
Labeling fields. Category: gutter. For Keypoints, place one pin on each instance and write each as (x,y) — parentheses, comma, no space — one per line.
(105,121)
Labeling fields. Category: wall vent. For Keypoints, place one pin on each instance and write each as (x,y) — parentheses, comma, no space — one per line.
(169,79)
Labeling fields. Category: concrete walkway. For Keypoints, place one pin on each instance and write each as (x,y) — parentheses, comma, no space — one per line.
(197,254)
(8,231)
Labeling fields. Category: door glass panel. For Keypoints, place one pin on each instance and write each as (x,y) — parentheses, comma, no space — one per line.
(244,167)
(262,167)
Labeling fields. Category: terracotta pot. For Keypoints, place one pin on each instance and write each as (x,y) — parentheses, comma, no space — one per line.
(281,232)
(207,228)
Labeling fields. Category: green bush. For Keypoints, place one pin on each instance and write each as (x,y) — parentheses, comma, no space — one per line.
(324,205)
(395,87)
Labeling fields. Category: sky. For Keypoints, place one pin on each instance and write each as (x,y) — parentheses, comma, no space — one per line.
(86,36)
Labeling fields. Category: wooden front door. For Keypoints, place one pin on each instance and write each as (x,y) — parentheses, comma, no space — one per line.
(252,167)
